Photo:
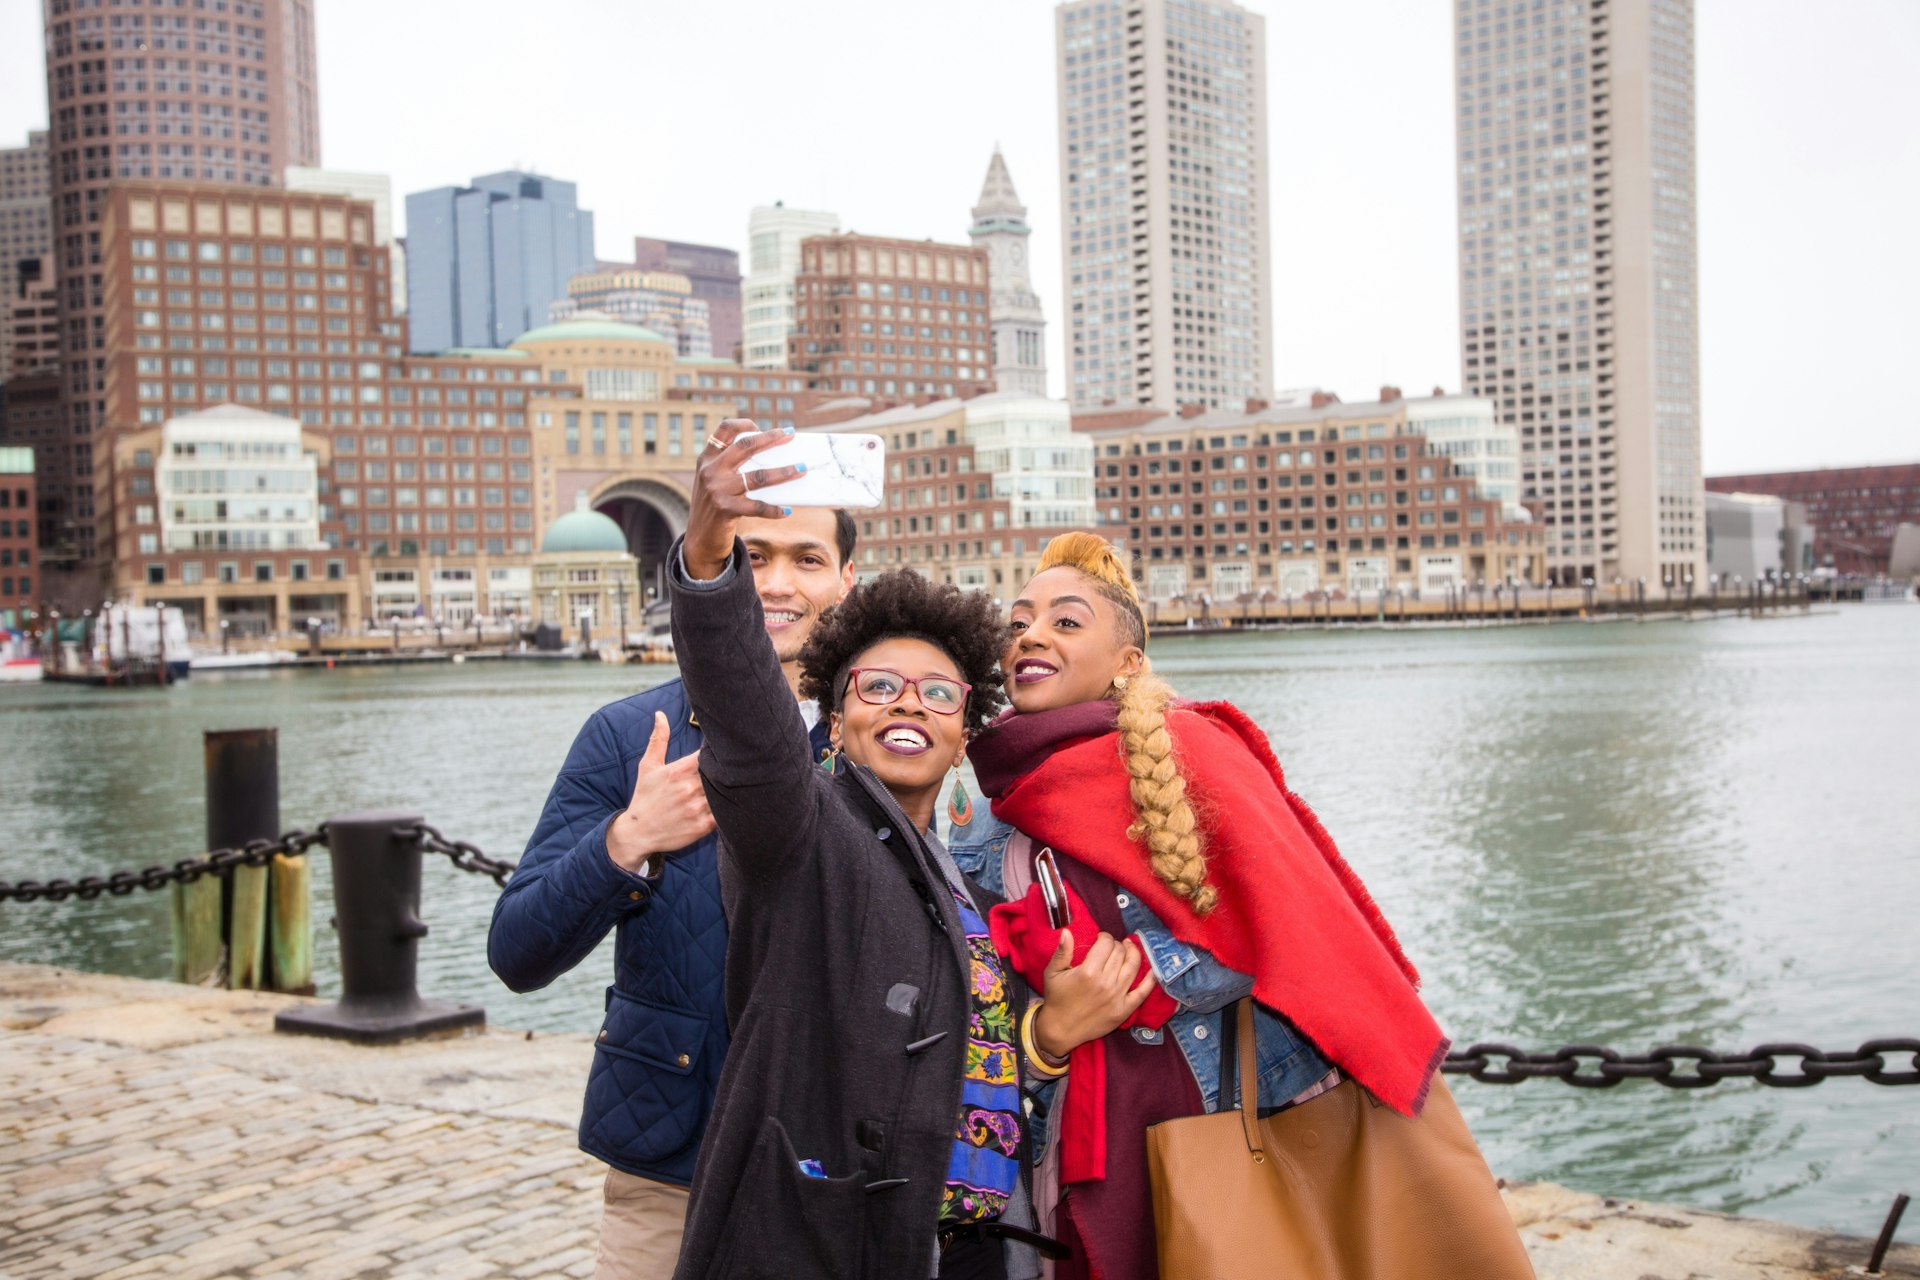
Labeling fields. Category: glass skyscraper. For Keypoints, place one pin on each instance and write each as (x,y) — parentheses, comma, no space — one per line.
(485,262)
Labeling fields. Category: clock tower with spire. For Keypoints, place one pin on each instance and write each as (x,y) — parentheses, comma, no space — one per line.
(1019,326)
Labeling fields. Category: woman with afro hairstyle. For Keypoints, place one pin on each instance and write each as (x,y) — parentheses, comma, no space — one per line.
(868,1121)
(1173,829)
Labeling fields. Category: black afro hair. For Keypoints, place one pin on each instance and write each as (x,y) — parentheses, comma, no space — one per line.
(964,625)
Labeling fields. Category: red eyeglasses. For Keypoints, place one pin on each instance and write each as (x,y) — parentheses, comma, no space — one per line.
(880,687)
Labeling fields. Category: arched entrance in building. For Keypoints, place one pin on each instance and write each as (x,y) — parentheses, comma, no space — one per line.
(651,513)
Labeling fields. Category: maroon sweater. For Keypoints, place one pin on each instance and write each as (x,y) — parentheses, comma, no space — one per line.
(1146,1083)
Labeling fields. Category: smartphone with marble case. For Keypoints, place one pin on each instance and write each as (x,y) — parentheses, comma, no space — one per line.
(844,469)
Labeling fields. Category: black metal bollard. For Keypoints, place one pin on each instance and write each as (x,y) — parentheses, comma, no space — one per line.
(376,895)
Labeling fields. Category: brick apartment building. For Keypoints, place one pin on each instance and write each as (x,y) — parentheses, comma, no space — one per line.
(31,416)
(1324,496)
(226,94)
(26,243)
(898,319)
(19,539)
(1317,497)
(1854,510)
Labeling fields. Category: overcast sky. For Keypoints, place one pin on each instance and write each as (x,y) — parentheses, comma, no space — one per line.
(675,119)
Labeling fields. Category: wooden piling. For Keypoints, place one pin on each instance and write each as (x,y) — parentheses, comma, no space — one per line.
(197,948)
(291,930)
(247,929)
(243,804)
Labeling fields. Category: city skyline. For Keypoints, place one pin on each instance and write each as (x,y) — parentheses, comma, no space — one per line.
(1363,225)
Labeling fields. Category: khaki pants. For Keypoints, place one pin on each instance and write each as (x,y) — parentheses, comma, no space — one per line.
(641,1222)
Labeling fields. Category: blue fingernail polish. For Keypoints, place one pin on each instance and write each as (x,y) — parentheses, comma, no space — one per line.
(786,511)
(801,467)
(789,430)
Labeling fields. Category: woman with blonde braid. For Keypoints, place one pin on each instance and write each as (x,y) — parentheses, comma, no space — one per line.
(1173,829)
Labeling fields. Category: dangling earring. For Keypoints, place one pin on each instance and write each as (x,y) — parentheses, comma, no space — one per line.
(959,803)
(830,758)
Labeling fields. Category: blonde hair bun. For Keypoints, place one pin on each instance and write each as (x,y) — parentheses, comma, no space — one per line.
(1092,555)
(1095,557)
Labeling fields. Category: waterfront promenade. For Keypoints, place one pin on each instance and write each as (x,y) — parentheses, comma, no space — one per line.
(148,1129)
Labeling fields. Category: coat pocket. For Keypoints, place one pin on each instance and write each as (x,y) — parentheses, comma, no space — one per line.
(647,1095)
(784,1224)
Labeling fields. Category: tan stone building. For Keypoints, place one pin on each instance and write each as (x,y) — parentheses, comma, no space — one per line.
(586,582)
(653,299)
(625,443)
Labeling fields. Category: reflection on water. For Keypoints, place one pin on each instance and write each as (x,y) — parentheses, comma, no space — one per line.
(1622,834)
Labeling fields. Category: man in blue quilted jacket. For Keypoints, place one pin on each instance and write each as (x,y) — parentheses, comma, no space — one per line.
(625,843)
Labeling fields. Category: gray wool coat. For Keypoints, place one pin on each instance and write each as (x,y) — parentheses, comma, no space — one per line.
(847,984)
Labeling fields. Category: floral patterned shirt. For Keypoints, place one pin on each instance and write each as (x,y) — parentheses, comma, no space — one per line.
(985,1165)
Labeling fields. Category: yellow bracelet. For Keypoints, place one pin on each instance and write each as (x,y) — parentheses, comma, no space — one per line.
(1036,1056)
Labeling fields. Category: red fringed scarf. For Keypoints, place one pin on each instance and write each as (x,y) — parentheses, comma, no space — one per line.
(1290,912)
(1021,933)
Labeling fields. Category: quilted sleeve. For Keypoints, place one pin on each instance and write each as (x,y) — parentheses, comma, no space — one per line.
(567,892)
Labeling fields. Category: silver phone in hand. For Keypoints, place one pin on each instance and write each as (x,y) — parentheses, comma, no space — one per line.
(844,469)
(1053,889)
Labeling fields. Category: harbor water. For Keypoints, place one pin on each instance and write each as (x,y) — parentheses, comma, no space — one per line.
(1624,834)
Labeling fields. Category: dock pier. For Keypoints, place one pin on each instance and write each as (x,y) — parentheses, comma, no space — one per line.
(155,1129)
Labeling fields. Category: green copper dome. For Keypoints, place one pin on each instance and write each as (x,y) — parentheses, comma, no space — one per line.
(583,330)
(583,529)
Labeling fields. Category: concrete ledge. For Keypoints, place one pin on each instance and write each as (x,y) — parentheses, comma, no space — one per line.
(1572,1236)
(154,1129)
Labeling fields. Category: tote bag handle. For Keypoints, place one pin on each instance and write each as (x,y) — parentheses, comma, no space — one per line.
(1240,1054)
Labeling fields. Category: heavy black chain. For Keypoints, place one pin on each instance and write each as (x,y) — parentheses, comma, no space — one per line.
(254,853)
(1584,1066)
(463,855)
(1685,1066)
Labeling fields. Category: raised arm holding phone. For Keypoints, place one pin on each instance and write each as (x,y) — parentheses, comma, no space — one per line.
(868,1121)
(624,844)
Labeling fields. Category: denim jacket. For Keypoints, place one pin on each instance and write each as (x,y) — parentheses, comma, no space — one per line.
(1202,986)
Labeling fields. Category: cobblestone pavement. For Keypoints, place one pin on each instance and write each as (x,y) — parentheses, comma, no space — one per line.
(148,1129)
(119,1162)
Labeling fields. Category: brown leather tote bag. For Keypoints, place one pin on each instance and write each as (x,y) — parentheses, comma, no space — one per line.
(1336,1188)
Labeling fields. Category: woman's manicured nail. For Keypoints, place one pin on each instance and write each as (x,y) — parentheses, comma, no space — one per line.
(801,467)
